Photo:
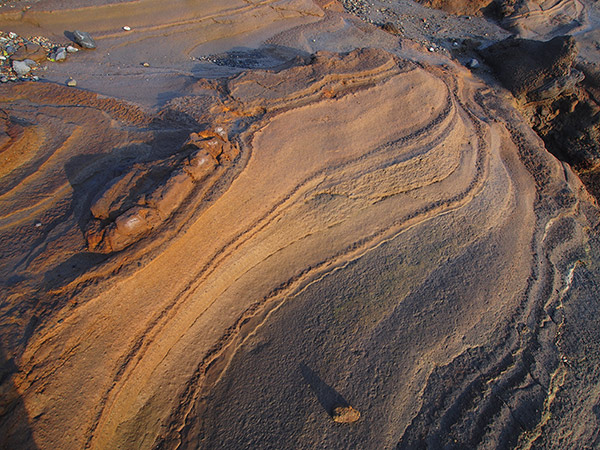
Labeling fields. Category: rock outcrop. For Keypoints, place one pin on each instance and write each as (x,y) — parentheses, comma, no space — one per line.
(555,96)
(140,200)
(532,68)
(210,249)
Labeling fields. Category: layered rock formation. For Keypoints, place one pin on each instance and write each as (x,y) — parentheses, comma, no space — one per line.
(348,221)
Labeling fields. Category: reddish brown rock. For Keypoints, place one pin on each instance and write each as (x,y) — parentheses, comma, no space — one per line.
(30,51)
(200,164)
(143,198)
(345,414)
(168,197)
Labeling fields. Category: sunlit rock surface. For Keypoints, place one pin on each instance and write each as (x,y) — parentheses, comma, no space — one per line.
(220,264)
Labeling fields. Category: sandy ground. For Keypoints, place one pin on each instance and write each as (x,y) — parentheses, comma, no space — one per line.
(385,232)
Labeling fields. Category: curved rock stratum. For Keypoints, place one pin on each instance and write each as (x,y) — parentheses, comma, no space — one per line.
(359,228)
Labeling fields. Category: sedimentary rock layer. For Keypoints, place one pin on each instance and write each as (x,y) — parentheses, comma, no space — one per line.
(353,229)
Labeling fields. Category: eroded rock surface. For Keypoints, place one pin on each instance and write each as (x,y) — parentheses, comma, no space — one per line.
(528,68)
(211,269)
(345,414)
(140,200)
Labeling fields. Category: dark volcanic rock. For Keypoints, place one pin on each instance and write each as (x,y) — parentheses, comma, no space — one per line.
(84,39)
(524,65)
(558,100)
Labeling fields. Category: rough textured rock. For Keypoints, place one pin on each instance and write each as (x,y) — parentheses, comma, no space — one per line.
(345,414)
(525,65)
(21,68)
(390,229)
(542,19)
(84,39)
(29,51)
(557,99)
(140,200)
(465,7)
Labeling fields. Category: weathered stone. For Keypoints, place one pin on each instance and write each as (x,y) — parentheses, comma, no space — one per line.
(84,39)
(29,51)
(60,54)
(473,64)
(557,86)
(21,68)
(200,164)
(345,414)
(169,196)
(524,65)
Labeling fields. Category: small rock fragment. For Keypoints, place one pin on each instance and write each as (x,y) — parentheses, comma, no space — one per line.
(60,54)
(38,224)
(12,35)
(126,28)
(4,80)
(473,64)
(345,414)
(71,49)
(390,27)
(71,82)
(146,64)
(21,68)
(84,39)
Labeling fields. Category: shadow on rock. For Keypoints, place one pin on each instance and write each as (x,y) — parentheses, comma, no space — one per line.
(72,269)
(328,397)
(15,429)
(270,56)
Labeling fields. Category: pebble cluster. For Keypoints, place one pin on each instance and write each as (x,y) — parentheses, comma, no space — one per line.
(21,57)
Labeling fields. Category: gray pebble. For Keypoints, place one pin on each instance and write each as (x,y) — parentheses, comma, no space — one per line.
(84,39)
(71,49)
(60,54)
(21,68)
(473,64)
(71,82)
